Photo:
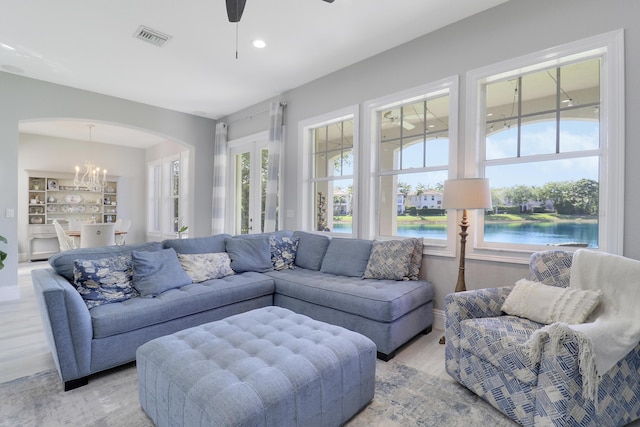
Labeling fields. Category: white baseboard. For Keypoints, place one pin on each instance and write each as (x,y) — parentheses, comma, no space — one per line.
(9,293)
(438,319)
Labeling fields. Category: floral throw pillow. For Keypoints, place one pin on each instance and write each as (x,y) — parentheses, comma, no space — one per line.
(202,267)
(104,281)
(283,251)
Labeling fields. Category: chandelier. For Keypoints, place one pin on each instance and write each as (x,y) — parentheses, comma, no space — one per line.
(93,178)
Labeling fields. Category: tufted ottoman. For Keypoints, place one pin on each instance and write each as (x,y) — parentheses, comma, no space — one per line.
(265,367)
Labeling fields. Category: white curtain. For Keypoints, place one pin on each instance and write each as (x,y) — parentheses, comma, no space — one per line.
(276,140)
(219,179)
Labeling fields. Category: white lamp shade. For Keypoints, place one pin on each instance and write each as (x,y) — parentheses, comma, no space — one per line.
(467,193)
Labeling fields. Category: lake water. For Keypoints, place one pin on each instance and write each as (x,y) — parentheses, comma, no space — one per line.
(524,233)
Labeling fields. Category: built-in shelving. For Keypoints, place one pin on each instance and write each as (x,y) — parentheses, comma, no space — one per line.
(53,198)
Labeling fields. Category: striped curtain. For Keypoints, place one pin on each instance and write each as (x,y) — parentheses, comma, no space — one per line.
(219,178)
(276,140)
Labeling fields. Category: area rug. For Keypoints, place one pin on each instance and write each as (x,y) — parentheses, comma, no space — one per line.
(404,397)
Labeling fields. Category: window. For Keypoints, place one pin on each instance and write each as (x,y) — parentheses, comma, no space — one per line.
(549,140)
(330,168)
(167,195)
(332,179)
(412,150)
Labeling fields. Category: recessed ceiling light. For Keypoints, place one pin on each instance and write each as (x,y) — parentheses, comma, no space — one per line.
(260,44)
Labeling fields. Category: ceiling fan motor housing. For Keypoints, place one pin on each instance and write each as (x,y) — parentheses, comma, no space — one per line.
(236,7)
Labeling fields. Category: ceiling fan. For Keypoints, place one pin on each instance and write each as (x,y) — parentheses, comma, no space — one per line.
(392,119)
(236,7)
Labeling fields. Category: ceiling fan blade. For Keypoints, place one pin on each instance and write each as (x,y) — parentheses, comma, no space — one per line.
(329,1)
(235,9)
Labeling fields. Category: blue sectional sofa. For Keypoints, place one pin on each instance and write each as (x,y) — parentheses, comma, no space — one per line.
(321,278)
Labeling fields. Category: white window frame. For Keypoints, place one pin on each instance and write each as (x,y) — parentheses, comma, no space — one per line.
(305,185)
(154,206)
(160,198)
(610,48)
(370,192)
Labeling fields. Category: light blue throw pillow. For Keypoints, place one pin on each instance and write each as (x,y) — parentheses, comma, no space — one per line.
(249,254)
(156,272)
(103,281)
(311,250)
(347,257)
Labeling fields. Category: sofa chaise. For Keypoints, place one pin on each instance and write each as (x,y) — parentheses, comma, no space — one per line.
(316,276)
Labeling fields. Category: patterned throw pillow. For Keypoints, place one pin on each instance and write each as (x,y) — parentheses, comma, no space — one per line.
(390,259)
(416,259)
(105,280)
(202,267)
(283,251)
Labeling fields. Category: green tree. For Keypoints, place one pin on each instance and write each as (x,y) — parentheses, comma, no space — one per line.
(520,194)
(559,193)
(585,196)
(404,188)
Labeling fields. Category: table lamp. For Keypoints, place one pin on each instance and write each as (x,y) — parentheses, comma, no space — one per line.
(465,193)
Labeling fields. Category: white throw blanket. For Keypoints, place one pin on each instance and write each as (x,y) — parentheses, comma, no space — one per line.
(613,328)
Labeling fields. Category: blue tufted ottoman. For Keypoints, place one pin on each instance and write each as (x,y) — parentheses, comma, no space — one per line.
(265,367)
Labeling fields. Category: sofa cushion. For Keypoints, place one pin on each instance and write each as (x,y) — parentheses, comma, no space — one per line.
(550,304)
(201,267)
(62,262)
(379,300)
(390,259)
(347,257)
(156,272)
(198,245)
(283,251)
(311,250)
(104,281)
(252,254)
(499,341)
(137,313)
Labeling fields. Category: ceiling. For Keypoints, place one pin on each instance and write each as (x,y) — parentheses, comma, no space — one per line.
(92,45)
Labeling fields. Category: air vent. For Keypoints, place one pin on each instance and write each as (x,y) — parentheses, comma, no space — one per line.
(152,36)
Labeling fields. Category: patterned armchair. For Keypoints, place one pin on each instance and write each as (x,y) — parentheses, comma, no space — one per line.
(484,354)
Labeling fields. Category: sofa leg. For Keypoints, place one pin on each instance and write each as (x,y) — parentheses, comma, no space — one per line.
(79,382)
(385,357)
(427,330)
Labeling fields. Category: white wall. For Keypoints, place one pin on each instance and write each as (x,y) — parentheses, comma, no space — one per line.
(22,98)
(512,29)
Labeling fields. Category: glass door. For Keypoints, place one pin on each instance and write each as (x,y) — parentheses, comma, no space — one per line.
(249,183)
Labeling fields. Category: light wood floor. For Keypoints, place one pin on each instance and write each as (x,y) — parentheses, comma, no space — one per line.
(24,350)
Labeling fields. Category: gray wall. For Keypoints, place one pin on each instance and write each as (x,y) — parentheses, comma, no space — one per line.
(23,99)
(513,29)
